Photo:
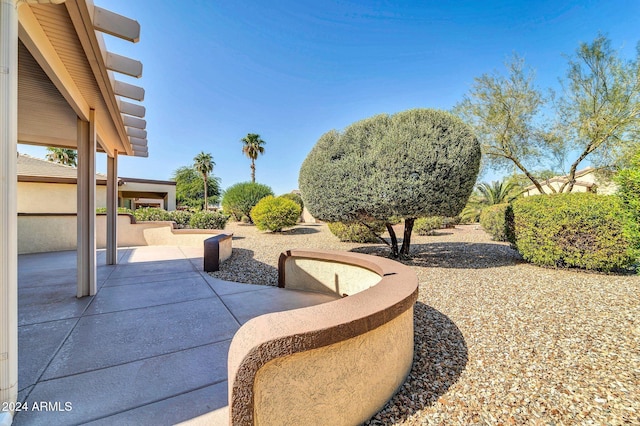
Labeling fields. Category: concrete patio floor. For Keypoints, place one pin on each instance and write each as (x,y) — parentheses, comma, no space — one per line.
(151,346)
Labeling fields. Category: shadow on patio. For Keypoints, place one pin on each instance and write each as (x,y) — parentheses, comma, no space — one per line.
(149,348)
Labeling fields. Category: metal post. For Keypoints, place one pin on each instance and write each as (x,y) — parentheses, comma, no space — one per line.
(112,209)
(87,206)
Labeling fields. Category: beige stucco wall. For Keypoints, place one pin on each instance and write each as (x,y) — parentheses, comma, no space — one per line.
(340,384)
(37,234)
(602,187)
(38,197)
(327,277)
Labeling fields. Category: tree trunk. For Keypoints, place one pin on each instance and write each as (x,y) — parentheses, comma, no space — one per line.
(394,241)
(206,207)
(253,171)
(527,174)
(571,177)
(406,241)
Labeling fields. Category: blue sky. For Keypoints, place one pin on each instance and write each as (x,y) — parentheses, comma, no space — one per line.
(292,70)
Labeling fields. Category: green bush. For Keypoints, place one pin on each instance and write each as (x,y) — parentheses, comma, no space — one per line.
(575,230)
(120,210)
(356,232)
(294,197)
(497,221)
(273,214)
(208,220)
(150,214)
(239,199)
(426,225)
(180,217)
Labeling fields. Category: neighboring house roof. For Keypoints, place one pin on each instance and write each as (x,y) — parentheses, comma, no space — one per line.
(565,178)
(122,180)
(31,169)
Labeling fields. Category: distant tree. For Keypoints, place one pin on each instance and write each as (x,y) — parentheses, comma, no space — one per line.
(190,187)
(240,198)
(489,194)
(68,157)
(502,111)
(252,148)
(600,109)
(203,163)
(498,192)
(415,163)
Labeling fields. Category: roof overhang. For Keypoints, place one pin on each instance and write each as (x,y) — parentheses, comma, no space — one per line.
(65,71)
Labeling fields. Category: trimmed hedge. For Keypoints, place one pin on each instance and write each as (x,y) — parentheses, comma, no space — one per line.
(180,217)
(151,214)
(120,210)
(356,232)
(273,214)
(497,220)
(575,230)
(208,220)
(426,225)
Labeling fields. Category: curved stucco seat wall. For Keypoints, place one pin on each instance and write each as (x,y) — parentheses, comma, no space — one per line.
(336,363)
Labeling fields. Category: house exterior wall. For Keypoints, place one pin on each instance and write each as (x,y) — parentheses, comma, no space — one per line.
(40,197)
(146,187)
(584,183)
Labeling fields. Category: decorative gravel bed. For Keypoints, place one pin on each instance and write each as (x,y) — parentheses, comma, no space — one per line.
(497,341)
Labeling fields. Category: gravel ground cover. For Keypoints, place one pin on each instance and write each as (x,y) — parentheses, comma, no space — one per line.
(497,341)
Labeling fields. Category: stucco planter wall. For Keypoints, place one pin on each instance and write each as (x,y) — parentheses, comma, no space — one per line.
(336,363)
(45,232)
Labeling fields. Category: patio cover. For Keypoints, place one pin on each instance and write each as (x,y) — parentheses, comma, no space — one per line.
(58,88)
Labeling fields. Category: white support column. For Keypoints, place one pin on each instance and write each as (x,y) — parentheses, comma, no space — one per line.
(112,209)
(8,209)
(87,206)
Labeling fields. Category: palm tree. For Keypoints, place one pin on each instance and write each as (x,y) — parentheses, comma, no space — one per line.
(203,163)
(252,148)
(498,192)
(68,157)
(488,194)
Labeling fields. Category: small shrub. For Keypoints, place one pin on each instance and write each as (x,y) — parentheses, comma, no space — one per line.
(273,214)
(245,219)
(295,198)
(426,225)
(208,220)
(150,214)
(180,217)
(450,222)
(239,199)
(356,232)
(575,230)
(495,220)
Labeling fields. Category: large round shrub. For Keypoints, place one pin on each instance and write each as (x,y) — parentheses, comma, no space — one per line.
(357,232)
(497,221)
(239,199)
(273,214)
(208,220)
(412,164)
(574,230)
(151,214)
